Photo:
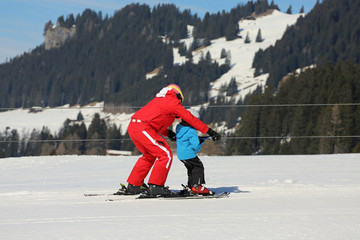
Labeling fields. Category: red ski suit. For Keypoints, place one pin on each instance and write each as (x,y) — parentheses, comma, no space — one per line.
(145,128)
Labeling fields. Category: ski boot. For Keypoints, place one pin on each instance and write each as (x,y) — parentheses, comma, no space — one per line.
(132,189)
(156,191)
(201,190)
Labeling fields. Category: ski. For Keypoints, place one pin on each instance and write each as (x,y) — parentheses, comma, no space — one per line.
(106,194)
(178,196)
(220,195)
(171,197)
(122,198)
(112,196)
(121,192)
(97,194)
(186,193)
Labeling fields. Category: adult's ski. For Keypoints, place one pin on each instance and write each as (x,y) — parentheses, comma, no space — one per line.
(121,192)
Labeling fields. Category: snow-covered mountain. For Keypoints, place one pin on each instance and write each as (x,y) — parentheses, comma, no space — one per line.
(272,198)
(272,25)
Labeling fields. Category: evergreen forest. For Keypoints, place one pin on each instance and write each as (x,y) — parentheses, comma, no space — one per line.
(293,128)
(108,58)
(326,39)
(330,33)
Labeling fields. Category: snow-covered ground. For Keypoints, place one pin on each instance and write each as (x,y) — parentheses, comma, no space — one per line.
(272,197)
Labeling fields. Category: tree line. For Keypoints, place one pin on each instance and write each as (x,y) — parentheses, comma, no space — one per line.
(324,85)
(73,138)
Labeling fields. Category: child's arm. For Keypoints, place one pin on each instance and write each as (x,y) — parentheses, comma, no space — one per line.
(202,139)
(195,141)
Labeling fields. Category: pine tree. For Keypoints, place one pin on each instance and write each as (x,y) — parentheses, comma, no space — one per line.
(273,5)
(80,117)
(247,39)
(97,126)
(223,53)
(208,57)
(232,87)
(259,36)
(114,134)
(33,147)
(289,10)
(302,10)
(231,30)
(82,133)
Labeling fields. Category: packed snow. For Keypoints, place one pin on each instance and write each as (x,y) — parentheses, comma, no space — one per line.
(272,198)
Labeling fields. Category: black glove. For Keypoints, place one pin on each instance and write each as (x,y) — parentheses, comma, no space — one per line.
(171,135)
(214,135)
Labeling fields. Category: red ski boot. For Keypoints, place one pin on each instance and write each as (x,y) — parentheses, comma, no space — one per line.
(201,190)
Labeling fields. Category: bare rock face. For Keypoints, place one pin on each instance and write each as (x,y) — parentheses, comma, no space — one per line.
(55,36)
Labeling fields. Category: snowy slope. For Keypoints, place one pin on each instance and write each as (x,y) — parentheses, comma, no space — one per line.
(272,27)
(272,198)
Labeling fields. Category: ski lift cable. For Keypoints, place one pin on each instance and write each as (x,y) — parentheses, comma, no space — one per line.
(128,139)
(209,106)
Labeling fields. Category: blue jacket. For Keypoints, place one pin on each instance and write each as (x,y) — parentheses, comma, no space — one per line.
(187,142)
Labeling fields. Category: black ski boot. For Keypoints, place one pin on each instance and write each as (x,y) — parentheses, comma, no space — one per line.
(156,191)
(132,189)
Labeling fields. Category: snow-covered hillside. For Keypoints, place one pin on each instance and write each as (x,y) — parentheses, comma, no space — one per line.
(272,198)
(272,27)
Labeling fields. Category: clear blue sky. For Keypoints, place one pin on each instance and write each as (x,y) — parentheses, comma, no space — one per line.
(22,21)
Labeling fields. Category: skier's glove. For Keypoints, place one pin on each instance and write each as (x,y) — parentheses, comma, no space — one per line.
(214,135)
(171,135)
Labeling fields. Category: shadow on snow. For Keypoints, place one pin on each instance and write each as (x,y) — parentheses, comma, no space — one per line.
(234,189)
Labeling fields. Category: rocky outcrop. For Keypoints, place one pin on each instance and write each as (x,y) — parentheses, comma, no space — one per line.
(55,36)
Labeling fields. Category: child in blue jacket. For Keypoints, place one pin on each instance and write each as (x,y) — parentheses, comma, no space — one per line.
(188,144)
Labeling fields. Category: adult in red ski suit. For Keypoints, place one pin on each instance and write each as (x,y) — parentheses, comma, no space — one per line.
(149,126)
